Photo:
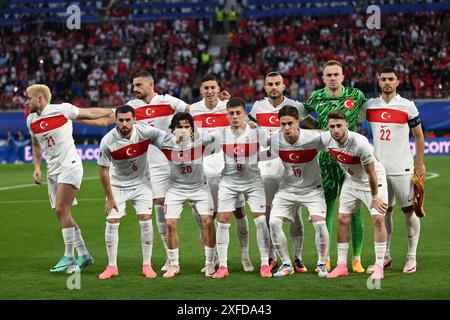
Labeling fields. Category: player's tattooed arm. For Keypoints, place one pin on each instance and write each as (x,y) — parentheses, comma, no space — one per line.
(103,121)
(37,158)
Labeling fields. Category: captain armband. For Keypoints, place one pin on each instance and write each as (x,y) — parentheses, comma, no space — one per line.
(414,122)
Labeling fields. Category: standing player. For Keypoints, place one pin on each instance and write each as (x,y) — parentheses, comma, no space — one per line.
(123,171)
(156,110)
(301,185)
(337,97)
(50,126)
(184,151)
(210,115)
(391,117)
(365,180)
(265,111)
(240,145)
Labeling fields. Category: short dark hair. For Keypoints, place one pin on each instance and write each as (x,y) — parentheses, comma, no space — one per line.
(336,115)
(288,110)
(125,109)
(180,116)
(210,77)
(236,102)
(332,63)
(388,70)
(143,74)
(273,74)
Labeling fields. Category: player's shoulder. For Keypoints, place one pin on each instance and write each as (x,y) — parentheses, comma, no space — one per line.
(325,136)
(354,91)
(360,139)
(373,102)
(260,103)
(404,102)
(108,138)
(135,103)
(317,94)
(291,102)
(199,105)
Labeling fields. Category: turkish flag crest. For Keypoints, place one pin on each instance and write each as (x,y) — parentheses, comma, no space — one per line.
(349,104)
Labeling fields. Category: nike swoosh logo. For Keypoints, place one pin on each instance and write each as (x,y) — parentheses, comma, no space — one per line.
(383,126)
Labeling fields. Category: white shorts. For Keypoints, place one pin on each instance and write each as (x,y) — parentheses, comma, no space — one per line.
(285,203)
(200,198)
(350,198)
(253,192)
(400,188)
(159,179)
(271,186)
(141,198)
(213,183)
(72,176)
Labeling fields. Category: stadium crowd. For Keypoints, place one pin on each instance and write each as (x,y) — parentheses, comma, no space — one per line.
(91,66)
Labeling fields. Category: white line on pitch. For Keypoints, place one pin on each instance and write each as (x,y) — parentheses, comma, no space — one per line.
(45,201)
(20,186)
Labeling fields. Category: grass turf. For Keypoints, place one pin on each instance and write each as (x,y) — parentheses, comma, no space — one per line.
(31,242)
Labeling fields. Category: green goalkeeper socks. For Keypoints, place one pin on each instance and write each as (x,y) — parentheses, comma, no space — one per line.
(357,229)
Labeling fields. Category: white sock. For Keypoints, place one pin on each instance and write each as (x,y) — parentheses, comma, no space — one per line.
(242,233)
(161,224)
(263,239)
(389,222)
(380,251)
(69,240)
(173,257)
(146,241)
(79,243)
(279,239)
(342,252)
(197,218)
(297,229)
(413,232)
(209,255)
(112,242)
(223,240)
(272,249)
(321,241)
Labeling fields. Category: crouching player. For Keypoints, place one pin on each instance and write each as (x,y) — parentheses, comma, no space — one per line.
(365,180)
(123,170)
(301,184)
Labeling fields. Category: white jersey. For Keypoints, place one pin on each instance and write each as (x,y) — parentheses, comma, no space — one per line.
(53,129)
(209,121)
(352,156)
(241,154)
(267,116)
(127,158)
(301,168)
(390,129)
(185,160)
(157,113)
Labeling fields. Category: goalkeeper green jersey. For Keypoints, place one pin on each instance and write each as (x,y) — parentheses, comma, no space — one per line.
(349,102)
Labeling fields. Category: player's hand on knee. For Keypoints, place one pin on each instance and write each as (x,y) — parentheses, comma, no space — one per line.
(37,176)
(109,205)
(379,205)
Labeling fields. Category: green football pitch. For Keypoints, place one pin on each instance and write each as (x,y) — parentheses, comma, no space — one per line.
(31,242)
